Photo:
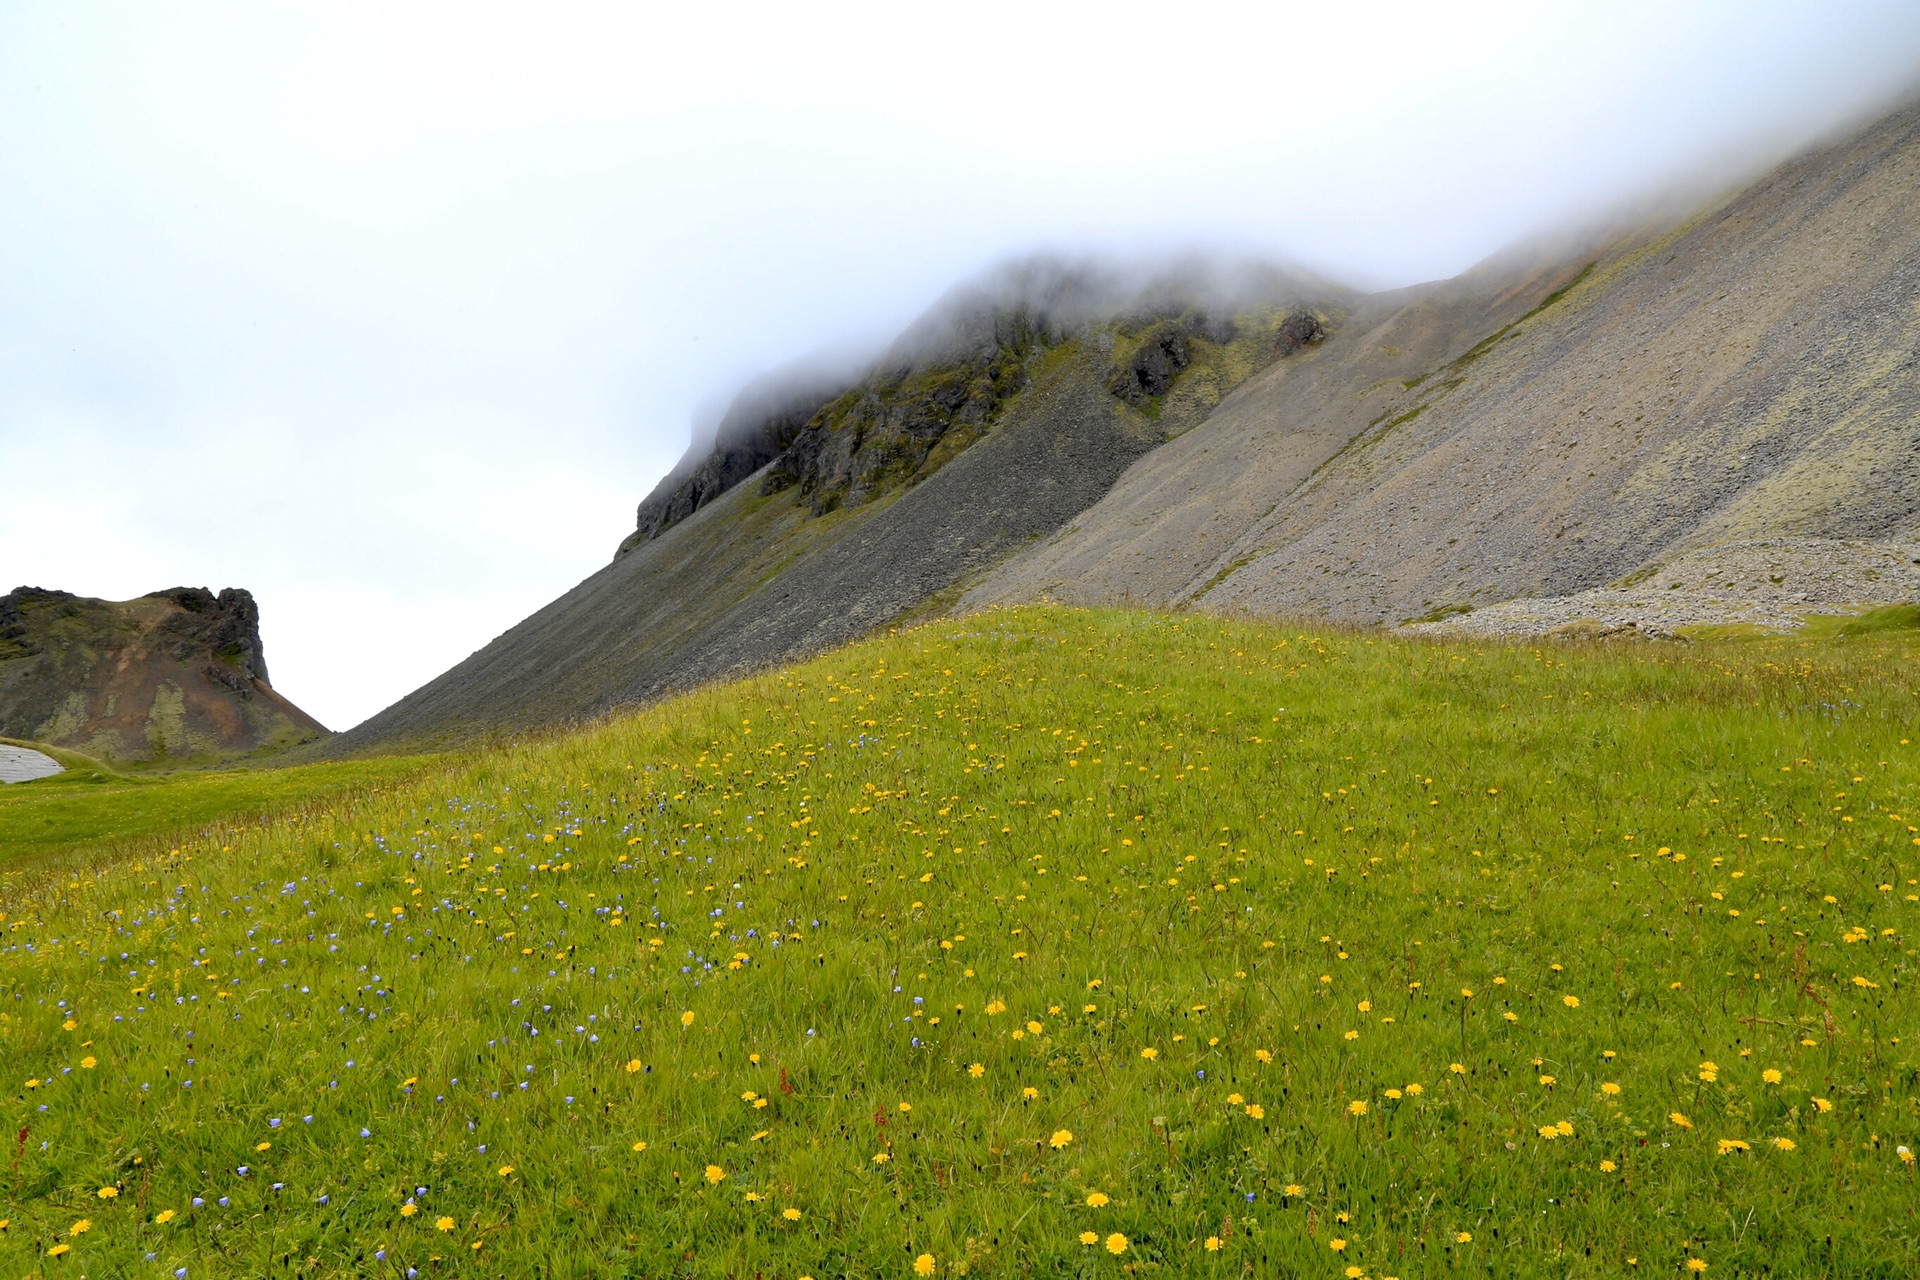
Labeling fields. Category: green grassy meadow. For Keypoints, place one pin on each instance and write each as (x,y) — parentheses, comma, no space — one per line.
(1041,943)
(92,810)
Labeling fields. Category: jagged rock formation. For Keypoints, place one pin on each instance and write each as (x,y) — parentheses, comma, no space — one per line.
(1540,427)
(175,676)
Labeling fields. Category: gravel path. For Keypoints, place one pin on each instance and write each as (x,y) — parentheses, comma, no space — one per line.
(1773,584)
(18,764)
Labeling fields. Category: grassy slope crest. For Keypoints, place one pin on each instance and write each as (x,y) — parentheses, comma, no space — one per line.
(1044,942)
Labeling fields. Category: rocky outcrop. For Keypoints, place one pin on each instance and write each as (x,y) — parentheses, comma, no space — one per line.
(900,424)
(945,383)
(176,676)
(759,426)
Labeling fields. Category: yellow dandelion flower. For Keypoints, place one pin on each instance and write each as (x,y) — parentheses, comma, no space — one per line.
(1608,1166)
(639,1146)
(1255,1111)
(1337,1245)
(1029,1093)
(1357,1107)
(1783,1144)
(1771,1075)
(1213,1244)
(1034,1028)
(505,1169)
(1572,1002)
(408,1209)
(1611,1089)
(790,1214)
(923,1265)
(1679,1120)
(1149,1054)
(1116,1244)
(163,1217)
(633,1065)
(686,1019)
(1415,1089)
(57,1250)
(89,1062)
(1263,1055)
(1089,1237)
(1097,1199)
(81,1227)
(1463,1237)
(882,1158)
(443,1224)
(1822,1105)
(715,1173)
(1060,1138)
(1234,1099)
(1731,1146)
(107,1193)
(262,1146)
(1456,1069)
(976,1070)
(1696,1265)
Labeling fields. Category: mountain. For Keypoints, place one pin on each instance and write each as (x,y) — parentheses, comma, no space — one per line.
(174,677)
(1499,449)
(820,512)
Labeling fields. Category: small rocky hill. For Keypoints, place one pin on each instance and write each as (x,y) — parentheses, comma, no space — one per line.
(174,677)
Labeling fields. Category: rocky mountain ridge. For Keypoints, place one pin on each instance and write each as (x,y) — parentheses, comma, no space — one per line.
(1532,431)
(944,383)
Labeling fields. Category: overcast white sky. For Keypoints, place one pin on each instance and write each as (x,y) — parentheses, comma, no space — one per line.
(392,312)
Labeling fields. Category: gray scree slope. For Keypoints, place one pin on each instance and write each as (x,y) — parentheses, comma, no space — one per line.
(1750,374)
